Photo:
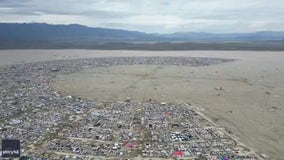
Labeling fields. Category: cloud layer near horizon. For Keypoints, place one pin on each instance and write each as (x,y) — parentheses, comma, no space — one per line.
(162,16)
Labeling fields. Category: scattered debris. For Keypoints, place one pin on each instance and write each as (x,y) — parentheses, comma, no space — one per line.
(263,155)
(69,97)
(220,89)
(268,93)
(128,99)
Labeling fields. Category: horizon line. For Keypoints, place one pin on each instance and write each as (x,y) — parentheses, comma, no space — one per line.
(186,32)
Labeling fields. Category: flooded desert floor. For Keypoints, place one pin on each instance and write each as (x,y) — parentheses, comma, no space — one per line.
(245,96)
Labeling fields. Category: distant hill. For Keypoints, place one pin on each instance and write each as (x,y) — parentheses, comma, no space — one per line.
(211,37)
(72,32)
(46,36)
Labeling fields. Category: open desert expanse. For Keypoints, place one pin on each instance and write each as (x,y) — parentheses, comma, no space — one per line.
(245,96)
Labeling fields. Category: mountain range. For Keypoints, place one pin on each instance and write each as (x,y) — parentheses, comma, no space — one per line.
(41,35)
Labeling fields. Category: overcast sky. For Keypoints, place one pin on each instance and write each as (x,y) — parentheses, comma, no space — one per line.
(162,16)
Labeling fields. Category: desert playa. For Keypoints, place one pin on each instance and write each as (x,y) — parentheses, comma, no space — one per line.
(245,96)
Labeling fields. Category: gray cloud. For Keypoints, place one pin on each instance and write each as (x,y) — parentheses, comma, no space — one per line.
(162,16)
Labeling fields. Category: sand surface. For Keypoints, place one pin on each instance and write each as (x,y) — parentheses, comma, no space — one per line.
(246,96)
